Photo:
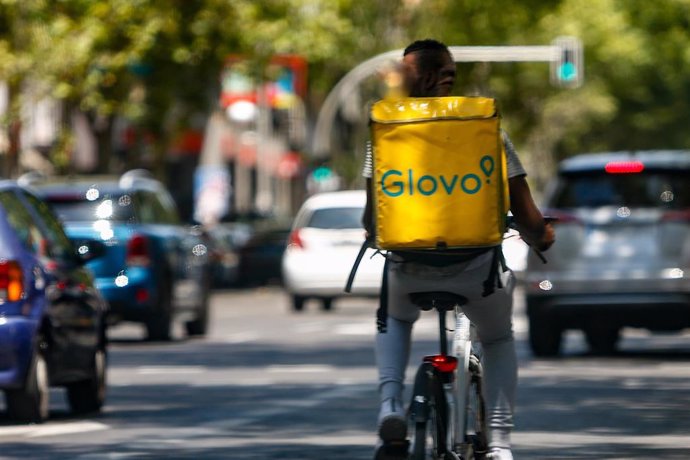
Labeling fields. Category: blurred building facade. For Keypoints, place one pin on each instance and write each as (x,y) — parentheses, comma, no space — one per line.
(254,142)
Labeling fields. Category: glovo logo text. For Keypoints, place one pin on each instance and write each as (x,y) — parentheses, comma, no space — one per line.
(396,183)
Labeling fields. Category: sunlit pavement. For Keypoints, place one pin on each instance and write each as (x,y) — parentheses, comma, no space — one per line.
(269,383)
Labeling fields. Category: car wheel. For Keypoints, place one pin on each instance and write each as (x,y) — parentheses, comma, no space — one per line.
(199,325)
(298,302)
(327,303)
(88,396)
(31,403)
(602,339)
(544,336)
(159,324)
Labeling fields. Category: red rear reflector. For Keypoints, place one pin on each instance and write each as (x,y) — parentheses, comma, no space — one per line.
(442,363)
(142,295)
(11,281)
(624,167)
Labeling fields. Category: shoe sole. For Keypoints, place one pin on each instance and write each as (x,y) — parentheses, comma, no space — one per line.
(393,429)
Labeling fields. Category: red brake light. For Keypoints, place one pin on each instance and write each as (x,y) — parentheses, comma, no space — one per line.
(11,281)
(561,217)
(680,215)
(294,240)
(624,167)
(138,252)
(442,362)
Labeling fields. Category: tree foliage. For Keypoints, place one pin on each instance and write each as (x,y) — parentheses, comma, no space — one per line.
(157,62)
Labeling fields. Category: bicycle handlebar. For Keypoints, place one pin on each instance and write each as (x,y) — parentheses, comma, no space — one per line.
(510,223)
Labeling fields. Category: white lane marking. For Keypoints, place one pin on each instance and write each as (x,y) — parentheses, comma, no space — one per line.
(52,429)
(157,370)
(301,368)
(367,328)
(352,438)
(240,337)
(307,327)
(562,439)
(527,440)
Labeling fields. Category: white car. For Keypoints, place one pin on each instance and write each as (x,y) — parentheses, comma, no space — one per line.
(326,237)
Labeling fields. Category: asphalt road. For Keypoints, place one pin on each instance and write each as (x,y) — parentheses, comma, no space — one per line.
(267,383)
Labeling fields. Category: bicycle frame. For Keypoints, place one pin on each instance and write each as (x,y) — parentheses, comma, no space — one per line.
(466,350)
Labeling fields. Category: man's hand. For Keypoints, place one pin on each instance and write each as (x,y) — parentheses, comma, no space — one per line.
(528,219)
(547,239)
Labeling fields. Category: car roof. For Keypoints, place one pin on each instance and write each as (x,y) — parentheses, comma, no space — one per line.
(356,198)
(8,184)
(654,159)
(75,185)
(78,185)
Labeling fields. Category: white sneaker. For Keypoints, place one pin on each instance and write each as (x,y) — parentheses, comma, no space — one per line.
(392,421)
(499,453)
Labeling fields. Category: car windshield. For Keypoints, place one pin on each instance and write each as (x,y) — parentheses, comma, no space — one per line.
(651,189)
(108,207)
(336,218)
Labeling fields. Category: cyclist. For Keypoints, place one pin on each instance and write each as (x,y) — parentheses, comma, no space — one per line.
(428,70)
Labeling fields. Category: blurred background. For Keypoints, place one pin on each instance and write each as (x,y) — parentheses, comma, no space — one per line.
(220,98)
(244,111)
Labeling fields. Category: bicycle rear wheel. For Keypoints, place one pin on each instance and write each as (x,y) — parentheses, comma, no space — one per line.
(431,430)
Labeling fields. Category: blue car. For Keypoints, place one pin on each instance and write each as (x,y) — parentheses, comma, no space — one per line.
(155,269)
(52,316)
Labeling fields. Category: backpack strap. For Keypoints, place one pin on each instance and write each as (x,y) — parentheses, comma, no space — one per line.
(382,311)
(498,261)
(355,266)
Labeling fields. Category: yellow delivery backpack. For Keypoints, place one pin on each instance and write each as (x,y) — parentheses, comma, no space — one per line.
(440,179)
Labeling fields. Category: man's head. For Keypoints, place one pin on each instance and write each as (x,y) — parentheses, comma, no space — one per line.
(428,69)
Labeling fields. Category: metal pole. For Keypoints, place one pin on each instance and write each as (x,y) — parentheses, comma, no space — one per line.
(264,195)
(346,85)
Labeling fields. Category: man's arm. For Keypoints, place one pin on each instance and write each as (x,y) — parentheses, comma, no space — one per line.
(529,220)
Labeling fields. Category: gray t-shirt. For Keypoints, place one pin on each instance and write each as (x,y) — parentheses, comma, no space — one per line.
(514,165)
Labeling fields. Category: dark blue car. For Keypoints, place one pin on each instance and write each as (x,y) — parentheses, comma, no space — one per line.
(155,268)
(52,317)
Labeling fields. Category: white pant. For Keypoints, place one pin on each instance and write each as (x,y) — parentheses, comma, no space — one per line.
(492,316)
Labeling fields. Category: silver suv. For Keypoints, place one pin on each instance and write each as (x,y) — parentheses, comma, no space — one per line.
(622,251)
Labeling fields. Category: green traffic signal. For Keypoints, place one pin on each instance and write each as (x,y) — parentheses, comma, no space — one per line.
(322,173)
(567,71)
(566,67)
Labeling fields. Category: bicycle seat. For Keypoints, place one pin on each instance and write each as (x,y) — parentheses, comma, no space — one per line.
(439,300)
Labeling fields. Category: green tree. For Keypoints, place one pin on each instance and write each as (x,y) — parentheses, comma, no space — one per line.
(157,63)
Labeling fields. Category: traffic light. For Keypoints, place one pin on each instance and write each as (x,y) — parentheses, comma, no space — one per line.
(567,70)
(323,179)
(322,173)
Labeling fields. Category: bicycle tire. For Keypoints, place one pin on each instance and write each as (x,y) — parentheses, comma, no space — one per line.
(419,445)
(434,427)
(439,429)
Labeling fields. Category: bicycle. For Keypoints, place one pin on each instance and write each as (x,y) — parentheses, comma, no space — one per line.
(447,406)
